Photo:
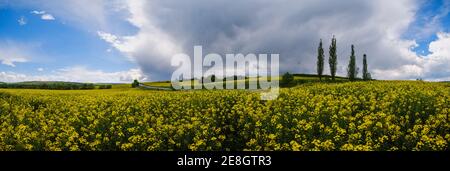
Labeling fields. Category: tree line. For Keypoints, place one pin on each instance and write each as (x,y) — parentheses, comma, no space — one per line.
(352,69)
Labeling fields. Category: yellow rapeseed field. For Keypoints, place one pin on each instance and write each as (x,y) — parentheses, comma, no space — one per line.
(378,115)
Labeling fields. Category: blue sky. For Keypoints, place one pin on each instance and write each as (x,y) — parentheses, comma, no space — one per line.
(56,44)
(119,40)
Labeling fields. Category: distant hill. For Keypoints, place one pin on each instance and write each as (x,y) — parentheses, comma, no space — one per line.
(47,82)
(298,78)
(54,85)
(62,85)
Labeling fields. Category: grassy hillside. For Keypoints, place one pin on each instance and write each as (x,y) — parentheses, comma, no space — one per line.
(315,77)
(164,84)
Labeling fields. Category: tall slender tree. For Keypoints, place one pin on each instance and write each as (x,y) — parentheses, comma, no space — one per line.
(333,58)
(352,70)
(366,74)
(320,59)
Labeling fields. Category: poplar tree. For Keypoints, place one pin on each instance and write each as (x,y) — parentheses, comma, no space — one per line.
(366,74)
(320,59)
(352,70)
(332,61)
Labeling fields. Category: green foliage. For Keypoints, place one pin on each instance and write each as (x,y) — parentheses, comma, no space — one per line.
(332,61)
(352,70)
(135,84)
(287,79)
(320,60)
(213,78)
(105,86)
(48,85)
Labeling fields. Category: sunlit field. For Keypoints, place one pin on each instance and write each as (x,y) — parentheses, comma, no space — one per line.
(374,115)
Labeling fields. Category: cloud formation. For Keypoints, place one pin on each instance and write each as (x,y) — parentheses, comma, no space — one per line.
(437,65)
(44,15)
(290,28)
(38,12)
(12,53)
(22,21)
(47,17)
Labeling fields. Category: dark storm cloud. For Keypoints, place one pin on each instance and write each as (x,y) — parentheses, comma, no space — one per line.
(289,28)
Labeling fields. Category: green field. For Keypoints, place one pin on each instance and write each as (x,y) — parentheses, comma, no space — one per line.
(374,115)
(165,84)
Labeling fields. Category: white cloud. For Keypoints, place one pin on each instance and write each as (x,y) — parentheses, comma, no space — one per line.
(40,69)
(77,74)
(47,17)
(437,64)
(38,12)
(22,21)
(151,47)
(433,67)
(11,61)
(44,15)
(440,47)
(12,52)
(109,38)
(404,71)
